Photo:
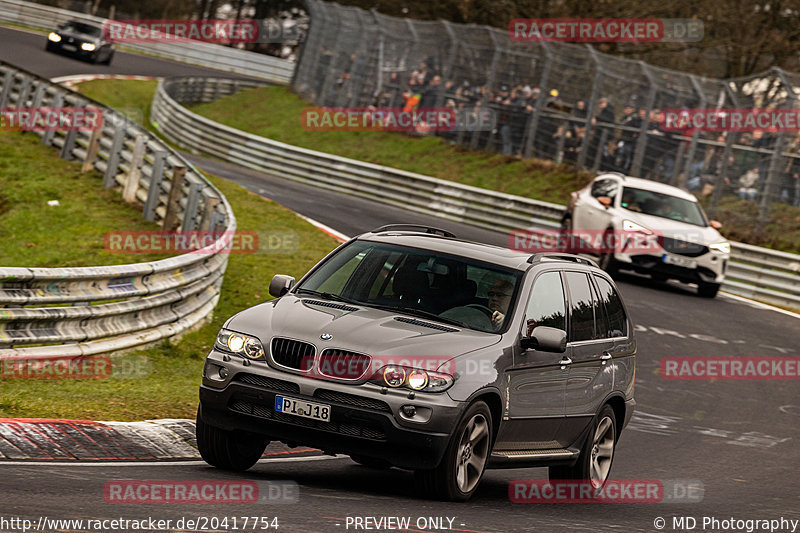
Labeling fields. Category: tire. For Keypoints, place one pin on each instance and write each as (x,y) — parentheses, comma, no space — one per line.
(658,277)
(594,462)
(370,462)
(707,290)
(606,260)
(228,450)
(458,475)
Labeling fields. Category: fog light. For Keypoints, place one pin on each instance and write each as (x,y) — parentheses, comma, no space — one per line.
(409,410)
(224,372)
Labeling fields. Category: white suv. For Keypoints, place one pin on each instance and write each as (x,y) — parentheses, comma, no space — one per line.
(681,243)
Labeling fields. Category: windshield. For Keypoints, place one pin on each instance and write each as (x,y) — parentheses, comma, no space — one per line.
(430,285)
(80,27)
(663,205)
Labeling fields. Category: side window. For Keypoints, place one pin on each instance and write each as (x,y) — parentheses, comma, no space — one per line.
(546,306)
(605,188)
(601,329)
(609,297)
(581,313)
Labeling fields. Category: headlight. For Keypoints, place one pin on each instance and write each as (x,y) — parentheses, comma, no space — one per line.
(54,37)
(88,47)
(242,345)
(396,376)
(721,247)
(630,225)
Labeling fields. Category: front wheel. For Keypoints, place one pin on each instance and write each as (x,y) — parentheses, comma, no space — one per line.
(707,290)
(460,471)
(594,462)
(228,450)
(606,259)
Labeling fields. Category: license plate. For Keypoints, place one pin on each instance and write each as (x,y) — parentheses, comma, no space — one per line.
(70,48)
(293,406)
(679,261)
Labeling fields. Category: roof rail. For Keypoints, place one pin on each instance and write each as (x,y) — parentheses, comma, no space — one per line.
(414,227)
(537,258)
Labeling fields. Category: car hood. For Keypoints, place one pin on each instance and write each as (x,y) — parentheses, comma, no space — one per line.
(674,228)
(365,330)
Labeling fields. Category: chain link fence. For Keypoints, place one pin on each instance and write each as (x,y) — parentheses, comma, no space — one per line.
(557,101)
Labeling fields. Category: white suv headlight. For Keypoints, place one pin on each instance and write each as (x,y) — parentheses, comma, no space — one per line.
(630,225)
(240,344)
(721,247)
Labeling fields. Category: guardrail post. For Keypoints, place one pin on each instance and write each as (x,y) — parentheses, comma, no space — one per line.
(69,144)
(135,172)
(47,138)
(154,190)
(113,157)
(92,149)
(38,95)
(191,206)
(8,80)
(209,208)
(22,96)
(173,201)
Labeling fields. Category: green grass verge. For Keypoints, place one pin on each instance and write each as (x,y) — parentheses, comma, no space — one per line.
(70,234)
(173,370)
(170,389)
(274,112)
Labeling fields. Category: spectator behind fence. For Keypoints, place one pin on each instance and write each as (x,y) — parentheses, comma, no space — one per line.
(747,189)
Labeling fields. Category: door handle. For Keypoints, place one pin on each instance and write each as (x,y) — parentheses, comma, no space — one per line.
(565,361)
(605,357)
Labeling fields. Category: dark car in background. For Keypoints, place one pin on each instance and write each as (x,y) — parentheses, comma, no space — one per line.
(81,40)
(533,363)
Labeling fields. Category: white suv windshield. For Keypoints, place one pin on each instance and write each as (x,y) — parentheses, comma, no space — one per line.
(662,205)
(423,283)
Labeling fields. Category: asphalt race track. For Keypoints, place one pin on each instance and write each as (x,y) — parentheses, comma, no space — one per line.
(738,440)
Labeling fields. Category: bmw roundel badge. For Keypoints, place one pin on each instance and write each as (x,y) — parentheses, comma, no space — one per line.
(326,336)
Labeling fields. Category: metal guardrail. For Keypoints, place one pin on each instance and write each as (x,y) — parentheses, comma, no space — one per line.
(196,53)
(754,272)
(91,310)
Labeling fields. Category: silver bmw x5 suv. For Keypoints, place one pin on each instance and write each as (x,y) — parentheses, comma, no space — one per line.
(411,348)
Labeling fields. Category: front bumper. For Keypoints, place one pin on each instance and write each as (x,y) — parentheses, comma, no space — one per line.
(58,47)
(363,421)
(710,267)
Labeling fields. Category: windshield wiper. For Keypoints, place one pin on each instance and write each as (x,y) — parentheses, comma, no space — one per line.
(420,313)
(327,296)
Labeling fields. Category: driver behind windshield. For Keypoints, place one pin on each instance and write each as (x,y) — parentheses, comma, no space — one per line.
(499,298)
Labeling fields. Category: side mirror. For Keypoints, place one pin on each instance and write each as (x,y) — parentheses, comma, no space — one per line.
(605,200)
(280,285)
(716,224)
(545,339)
